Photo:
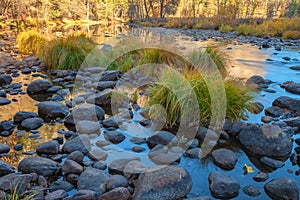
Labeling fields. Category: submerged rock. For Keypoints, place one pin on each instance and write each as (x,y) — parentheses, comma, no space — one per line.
(52,110)
(223,186)
(163,182)
(39,86)
(282,188)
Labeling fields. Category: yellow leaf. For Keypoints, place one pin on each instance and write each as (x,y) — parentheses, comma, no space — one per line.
(248,169)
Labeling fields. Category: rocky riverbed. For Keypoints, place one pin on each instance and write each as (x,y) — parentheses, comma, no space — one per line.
(65,146)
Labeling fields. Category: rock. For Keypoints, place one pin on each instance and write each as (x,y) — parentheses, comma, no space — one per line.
(118,166)
(119,193)
(18,147)
(236,128)
(275,164)
(224,158)
(54,89)
(84,195)
(293,122)
(261,177)
(40,166)
(255,80)
(276,111)
(61,185)
(2,93)
(110,122)
(165,158)
(48,148)
(56,195)
(223,186)
(6,168)
(97,154)
(161,137)
(42,181)
(265,45)
(163,182)
(287,103)
(251,191)
(110,75)
(72,167)
(21,116)
(102,99)
(52,110)
(286,58)
(266,119)
(77,156)
(88,127)
(266,140)
(72,178)
(193,153)
(138,149)
(88,112)
(105,85)
(80,143)
(7,126)
(32,123)
(256,107)
(102,165)
(282,188)
(4,148)
(92,179)
(116,181)
(293,88)
(137,140)
(114,137)
(132,171)
(39,86)
(17,182)
(5,80)
(295,67)
(4,101)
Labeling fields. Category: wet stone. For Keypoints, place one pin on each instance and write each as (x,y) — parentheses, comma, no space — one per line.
(114,137)
(282,188)
(72,167)
(119,193)
(61,185)
(49,148)
(97,154)
(6,168)
(138,149)
(18,147)
(101,165)
(116,181)
(251,191)
(4,148)
(58,194)
(275,164)
(77,156)
(4,101)
(261,177)
(32,123)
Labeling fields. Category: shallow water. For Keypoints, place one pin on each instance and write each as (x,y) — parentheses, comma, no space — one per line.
(246,60)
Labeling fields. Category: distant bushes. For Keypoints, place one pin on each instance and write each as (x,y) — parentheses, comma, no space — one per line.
(58,53)
(291,35)
(225,29)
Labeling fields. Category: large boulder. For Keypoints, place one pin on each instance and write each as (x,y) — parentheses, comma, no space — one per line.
(282,188)
(164,183)
(293,88)
(48,148)
(39,86)
(266,140)
(80,143)
(6,168)
(52,110)
(20,116)
(287,102)
(93,179)
(17,182)
(41,166)
(223,186)
(161,137)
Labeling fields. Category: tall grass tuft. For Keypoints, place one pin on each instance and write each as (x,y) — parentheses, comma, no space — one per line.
(172,93)
(295,35)
(31,42)
(225,29)
(67,53)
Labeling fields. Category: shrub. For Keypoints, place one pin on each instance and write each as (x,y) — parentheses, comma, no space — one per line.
(291,35)
(225,29)
(245,29)
(31,41)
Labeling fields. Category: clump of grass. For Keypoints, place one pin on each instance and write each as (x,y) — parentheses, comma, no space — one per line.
(67,53)
(225,29)
(245,29)
(291,35)
(150,56)
(173,93)
(31,41)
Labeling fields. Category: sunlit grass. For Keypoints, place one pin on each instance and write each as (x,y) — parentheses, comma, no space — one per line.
(225,29)
(245,29)
(291,35)
(31,42)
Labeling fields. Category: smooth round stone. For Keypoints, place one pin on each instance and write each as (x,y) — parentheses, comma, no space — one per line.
(251,191)
(18,147)
(116,181)
(138,149)
(224,158)
(102,165)
(4,148)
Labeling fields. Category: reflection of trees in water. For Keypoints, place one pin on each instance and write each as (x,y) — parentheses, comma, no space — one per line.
(47,133)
